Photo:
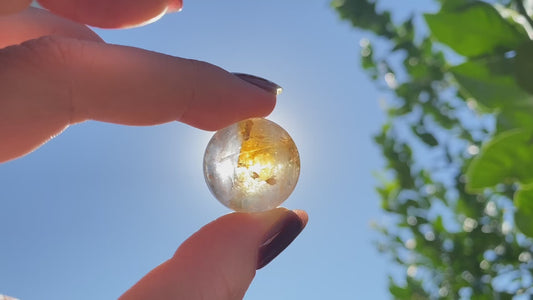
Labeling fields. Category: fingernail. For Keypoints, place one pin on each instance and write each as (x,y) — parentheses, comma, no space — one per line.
(266,85)
(281,236)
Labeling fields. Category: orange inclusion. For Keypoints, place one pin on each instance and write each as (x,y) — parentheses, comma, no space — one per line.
(257,153)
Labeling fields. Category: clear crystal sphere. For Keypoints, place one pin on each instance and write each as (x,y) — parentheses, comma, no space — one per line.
(252,165)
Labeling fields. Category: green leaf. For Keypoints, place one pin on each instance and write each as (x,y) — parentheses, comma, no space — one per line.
(426,137)
(438,225)
(515,118)
(451,5)
(363,14)
(506,158)
(474,30)
(399,292)
(523,201)
(491,81)
(524,66)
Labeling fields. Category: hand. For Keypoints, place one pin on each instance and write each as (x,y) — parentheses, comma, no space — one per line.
(48,82)
(55,72)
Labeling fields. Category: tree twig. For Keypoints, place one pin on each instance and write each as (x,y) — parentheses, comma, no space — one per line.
(523,11)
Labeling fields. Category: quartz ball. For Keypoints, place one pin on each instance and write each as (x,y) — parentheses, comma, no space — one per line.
(252,165)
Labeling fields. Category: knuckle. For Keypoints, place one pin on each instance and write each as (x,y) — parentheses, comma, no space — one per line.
(44,65)
(51,49)
(193,88)
(38,55)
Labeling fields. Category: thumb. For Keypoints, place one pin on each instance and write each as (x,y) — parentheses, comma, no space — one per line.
(219,261)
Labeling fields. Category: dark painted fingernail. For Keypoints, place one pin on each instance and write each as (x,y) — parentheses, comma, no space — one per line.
(266,85)
(282,235)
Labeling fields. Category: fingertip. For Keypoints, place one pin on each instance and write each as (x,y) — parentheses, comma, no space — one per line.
(250,101)
(175,6)
(302,214)
(280,236)
(221,99)
(108,14)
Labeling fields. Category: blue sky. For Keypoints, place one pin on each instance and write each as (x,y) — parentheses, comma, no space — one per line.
(89,213)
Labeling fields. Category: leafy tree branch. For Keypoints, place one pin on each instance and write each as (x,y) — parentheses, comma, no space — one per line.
(457,189)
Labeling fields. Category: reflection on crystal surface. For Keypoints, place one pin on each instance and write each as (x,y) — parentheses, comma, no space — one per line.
(252,165)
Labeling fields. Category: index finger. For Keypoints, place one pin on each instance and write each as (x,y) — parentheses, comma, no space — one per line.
(48,83)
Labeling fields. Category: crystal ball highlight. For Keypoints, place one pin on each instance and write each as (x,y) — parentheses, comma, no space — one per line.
(252,165)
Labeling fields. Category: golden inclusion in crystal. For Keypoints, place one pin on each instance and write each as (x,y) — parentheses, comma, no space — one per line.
(252,165)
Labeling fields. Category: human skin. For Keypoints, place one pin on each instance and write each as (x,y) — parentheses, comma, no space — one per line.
(56,72)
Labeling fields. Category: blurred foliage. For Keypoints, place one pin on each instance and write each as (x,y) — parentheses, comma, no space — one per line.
(458,144)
